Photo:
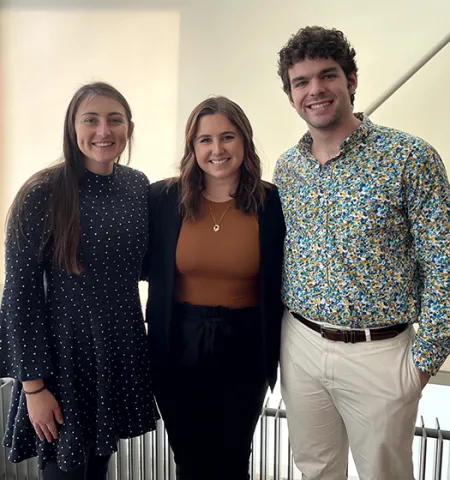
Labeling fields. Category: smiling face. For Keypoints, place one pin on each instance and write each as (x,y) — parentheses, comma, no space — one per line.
(219,148)
(102,132)
(320,93)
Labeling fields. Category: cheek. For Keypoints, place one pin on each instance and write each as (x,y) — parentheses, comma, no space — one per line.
(239,154)
(82,138)
(124,135)
(199,154)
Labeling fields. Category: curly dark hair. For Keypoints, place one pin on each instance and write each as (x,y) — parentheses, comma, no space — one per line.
(316,42)
(250,193)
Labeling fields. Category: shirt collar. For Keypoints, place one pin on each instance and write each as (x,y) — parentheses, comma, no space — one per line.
(355,138)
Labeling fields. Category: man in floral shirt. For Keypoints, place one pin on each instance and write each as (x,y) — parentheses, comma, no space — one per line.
(367,254)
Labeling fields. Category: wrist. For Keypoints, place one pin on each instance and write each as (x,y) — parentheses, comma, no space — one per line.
(31,385)
(33,392)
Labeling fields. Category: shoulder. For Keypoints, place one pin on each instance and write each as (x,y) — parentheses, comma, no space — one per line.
(131,174)
(284,165)
(271,191)
(162,188)
(413,152)
(272,202)
(33,197)
(286,156)
(397,141)
(38,194)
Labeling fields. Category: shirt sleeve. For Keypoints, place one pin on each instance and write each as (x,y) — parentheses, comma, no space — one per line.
(427,196)
(24,341)
(277,173)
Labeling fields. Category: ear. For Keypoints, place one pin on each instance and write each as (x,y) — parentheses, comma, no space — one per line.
(352,83)
(130,129)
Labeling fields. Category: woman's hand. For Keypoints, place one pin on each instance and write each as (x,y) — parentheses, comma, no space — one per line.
(43,410)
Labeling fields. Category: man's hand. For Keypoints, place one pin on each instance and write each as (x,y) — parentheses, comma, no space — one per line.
(424,377)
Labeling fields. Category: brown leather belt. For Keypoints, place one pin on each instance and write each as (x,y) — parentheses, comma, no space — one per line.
(352,336)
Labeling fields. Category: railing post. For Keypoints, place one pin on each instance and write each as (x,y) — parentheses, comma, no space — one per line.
(438,453)
(423,451)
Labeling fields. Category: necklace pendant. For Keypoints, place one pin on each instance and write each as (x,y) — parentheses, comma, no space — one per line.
(216,228)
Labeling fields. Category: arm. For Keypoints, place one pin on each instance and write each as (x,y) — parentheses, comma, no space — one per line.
(427,196)
(145,270)
(24,343)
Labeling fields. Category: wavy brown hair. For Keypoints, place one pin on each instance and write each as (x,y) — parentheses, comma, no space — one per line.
(62,224)
(316,42)
(250,193)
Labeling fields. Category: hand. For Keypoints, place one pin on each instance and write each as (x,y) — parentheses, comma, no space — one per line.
(424,378)
(43,410)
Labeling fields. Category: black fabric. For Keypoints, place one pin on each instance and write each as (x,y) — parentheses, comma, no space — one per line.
(83,334)
(94,468)
(165,227)
(212,391)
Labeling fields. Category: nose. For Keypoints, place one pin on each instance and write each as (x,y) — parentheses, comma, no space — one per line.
(216,147)
(316,87)
(103,129)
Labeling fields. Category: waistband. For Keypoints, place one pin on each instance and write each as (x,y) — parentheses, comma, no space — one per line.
(219,311)
(353,336)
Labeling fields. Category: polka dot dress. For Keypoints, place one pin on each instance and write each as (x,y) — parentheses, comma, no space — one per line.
(84,334)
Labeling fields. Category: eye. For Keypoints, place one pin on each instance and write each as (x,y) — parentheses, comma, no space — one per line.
(90,120)
(228,137)
(329,76)
(300,84)
(116,121)
(205,140)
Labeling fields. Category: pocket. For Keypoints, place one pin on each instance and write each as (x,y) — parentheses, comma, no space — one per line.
(414,372)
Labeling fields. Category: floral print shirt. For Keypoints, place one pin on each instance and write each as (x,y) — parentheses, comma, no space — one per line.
(368,236)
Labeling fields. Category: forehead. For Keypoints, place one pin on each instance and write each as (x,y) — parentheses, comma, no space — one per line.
(312,66)
(100,104)
(214,123)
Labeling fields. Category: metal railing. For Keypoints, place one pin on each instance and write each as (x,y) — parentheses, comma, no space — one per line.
(149,457)
(407,75)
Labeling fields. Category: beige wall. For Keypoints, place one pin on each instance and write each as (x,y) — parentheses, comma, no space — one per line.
(46,55)
(231,48)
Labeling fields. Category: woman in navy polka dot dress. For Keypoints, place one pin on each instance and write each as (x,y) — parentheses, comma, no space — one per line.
(71,326)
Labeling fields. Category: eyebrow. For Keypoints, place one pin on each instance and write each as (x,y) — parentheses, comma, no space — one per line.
(109,114)
(322,72)
(206,135)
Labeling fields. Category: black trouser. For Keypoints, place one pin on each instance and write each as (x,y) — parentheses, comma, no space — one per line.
(95,468)
(212,394)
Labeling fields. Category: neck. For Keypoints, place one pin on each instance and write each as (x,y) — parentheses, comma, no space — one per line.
(327,142)
(220,189)
(99,168)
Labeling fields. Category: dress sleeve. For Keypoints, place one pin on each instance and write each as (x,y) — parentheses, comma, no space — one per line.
(147,257)
(25,350)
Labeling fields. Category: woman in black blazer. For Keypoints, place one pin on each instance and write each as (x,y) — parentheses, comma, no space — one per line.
(214,308)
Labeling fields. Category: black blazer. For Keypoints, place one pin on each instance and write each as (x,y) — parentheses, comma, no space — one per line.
(165,224)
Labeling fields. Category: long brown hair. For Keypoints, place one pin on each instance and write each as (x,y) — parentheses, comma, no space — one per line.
(250,193)
(62,225)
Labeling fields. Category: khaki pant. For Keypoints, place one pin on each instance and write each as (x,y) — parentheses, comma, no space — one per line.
(338,394)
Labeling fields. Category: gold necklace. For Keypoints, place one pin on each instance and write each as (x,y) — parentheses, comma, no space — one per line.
(216,226)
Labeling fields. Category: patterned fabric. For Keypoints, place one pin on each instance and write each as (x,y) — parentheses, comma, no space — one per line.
(83,334)
(368,236)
